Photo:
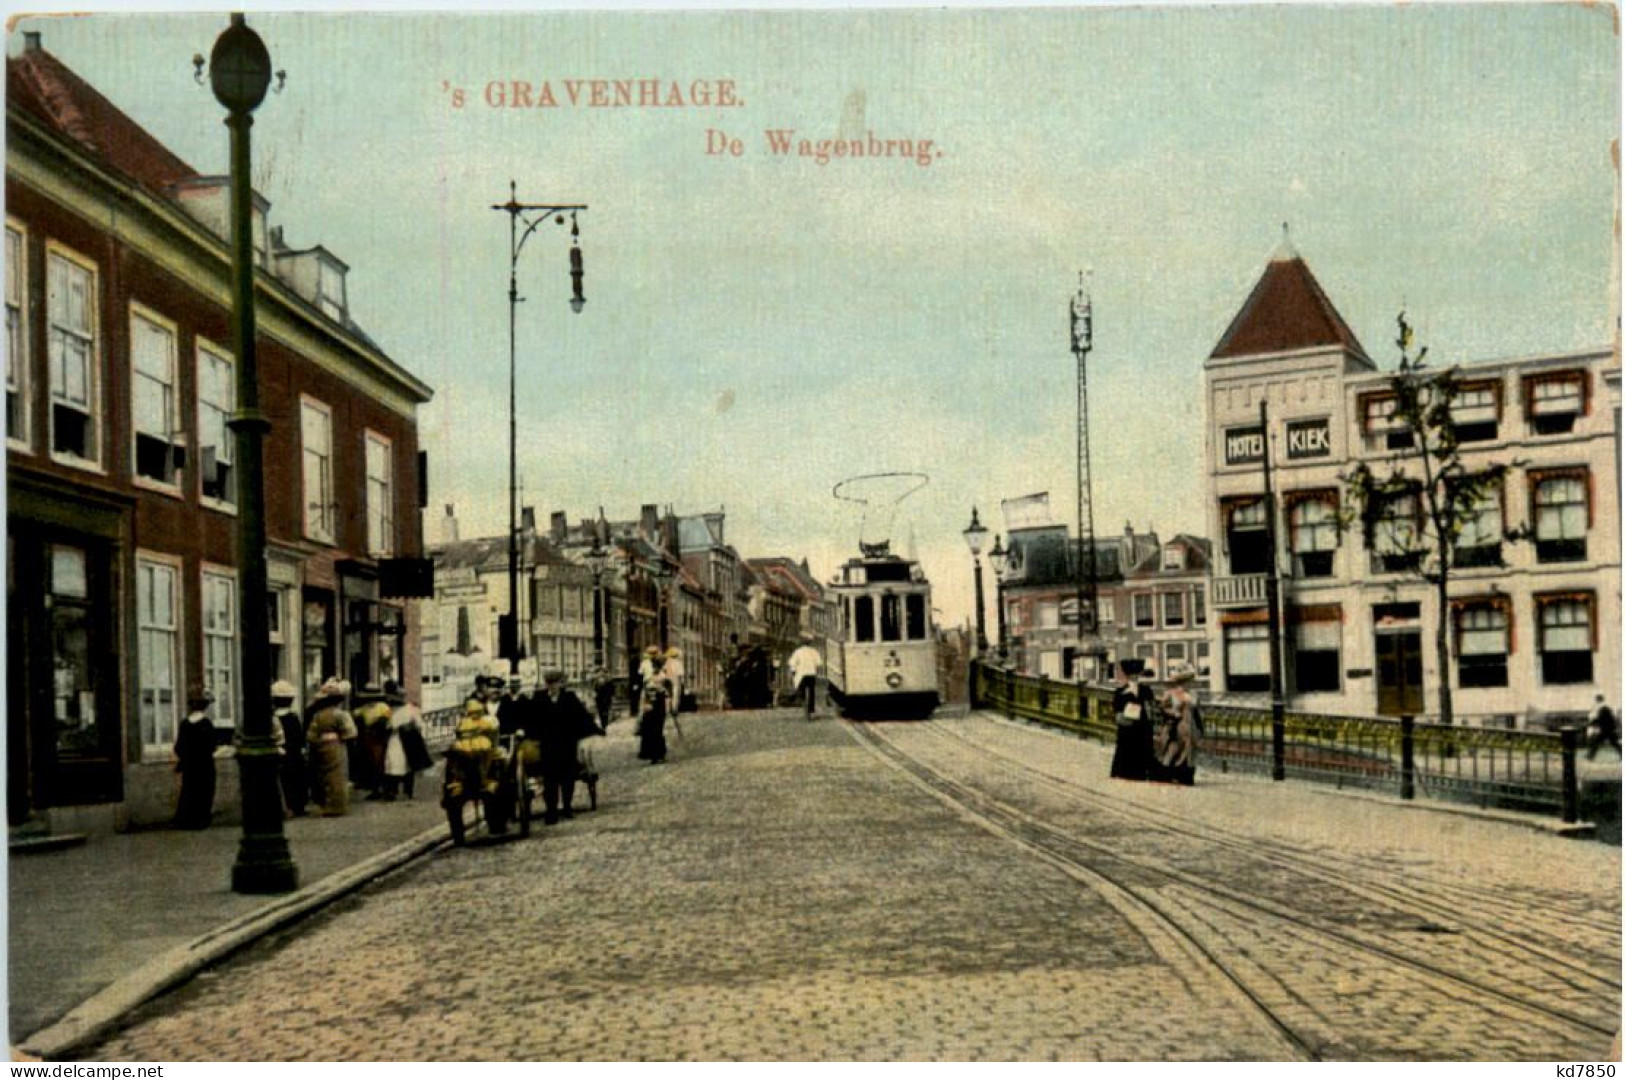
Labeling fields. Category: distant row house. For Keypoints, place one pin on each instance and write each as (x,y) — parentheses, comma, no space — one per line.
(122,482)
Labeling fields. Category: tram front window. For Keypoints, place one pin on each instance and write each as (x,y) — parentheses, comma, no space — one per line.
(864,618)
(916,617)
(891,622)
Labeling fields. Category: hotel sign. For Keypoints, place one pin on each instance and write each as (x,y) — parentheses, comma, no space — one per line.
(1309,439)
(1244,446)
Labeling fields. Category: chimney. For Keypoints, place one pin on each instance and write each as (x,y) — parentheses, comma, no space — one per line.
(31,41)
(558,526)
(448,526)
(649,522)
(527,521)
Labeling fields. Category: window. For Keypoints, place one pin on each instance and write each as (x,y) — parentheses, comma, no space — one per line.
(380,496)
(158,618)
(891,626)
(864,614)
(1198,606)
(154,418)
(1173,557)
(220,645)
(1144,613)
(1148,653)
(1384,428)
(1049,615)
(1553,402)
(1395,537)
(1479,542)
(1562,514)
(1483,641)
(316,432)
(16,335)
(1247,537)
(1247,657)
(1203,654)
(1567,637)
(1475,411)
(1173,609)
(916,617)
(330,289)
(1108,611)
(216,401)
(276,603)
(1317,650)
(1312,522)
(1173,653)
(71,342)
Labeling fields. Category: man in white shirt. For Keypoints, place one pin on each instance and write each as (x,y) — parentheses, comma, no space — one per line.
(804,664)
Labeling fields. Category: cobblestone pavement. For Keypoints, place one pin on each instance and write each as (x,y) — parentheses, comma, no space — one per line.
(778,890)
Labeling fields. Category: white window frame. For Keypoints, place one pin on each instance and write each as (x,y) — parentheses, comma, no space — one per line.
(18,354)
(1555,518)
(333,306)
(1561,396)
(380,517)
(56,253)
(204,353)
(217,632)
(1150,620)
(158,737)
(1482,526)
(320,507)
(1162,610)
(174,436)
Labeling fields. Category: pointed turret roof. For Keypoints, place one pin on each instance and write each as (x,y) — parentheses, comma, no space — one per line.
(1286,310)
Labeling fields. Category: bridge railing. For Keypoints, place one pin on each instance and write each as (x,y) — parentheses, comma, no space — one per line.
(1493,767)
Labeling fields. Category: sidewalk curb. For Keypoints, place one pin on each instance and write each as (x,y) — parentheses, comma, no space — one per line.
(98,1014)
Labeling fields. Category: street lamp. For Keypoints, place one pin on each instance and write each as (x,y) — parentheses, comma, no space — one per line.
(999,559)
(533,215)
(239,75)
(597,558)
(975,534)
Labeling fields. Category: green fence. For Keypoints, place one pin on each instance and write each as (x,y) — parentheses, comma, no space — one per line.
(1521,770)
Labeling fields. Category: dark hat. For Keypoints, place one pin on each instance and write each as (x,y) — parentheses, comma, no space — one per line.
(394,694)
(200,696)
(1131,665)
(370,692)
(554,676)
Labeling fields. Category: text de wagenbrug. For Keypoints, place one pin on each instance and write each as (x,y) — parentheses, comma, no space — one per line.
(698,94)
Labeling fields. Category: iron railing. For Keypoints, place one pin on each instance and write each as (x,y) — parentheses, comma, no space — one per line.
(1492,767)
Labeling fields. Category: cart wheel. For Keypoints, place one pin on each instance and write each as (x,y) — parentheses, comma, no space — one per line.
(521,788)
(454,818)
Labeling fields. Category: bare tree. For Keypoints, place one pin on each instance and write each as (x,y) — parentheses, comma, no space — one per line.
(1422,509)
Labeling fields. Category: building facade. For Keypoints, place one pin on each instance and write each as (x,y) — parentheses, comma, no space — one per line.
(1528,619)
(121,519)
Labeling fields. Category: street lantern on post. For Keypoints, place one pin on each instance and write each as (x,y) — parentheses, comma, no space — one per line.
(533,216)
(975,534)
(239,75)
(999,559)
(662,575)
(597,558)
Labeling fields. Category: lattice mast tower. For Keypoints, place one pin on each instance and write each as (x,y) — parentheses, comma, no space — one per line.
(1083,320)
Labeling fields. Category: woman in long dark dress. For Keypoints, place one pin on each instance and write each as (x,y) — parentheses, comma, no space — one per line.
(194,761)
(1132,703)
(652,725)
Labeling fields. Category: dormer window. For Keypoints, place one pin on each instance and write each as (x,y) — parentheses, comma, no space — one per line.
(330,289)
(1553,402)
(1173,557)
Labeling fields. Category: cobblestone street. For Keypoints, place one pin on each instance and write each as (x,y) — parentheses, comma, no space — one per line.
(964,889)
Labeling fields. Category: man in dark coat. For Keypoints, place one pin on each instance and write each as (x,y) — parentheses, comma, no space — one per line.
(560,721)
(512,709)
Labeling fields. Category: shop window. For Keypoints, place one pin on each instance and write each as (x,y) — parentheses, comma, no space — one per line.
(1475,411)
(158,629)
(1567,638)
(220,645)
(1317,656)
(71,340)
(1483,640)
(1552,403)
(1247,537)
(154,417)
(316,436)
(380,496)
(1313,525)
(216,401)
(1247,657)
(1562,515)
(17,403)
(1396,534)
(1173,609)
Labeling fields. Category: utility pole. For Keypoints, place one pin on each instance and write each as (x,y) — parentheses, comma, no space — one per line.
(1083,326)
(1272,588)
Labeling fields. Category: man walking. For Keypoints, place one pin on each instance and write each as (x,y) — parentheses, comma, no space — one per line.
(1604,727)
(562,721)
(804,664)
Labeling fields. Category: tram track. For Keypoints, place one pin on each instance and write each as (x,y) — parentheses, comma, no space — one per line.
(1442,915)
(1233,933)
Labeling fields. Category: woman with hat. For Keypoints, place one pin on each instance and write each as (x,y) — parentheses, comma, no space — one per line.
(286,719)
(1178,759)
(1132,702)
(331,728)
(194,761)
(406,754)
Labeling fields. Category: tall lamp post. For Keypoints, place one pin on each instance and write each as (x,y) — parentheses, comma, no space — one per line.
(597,559)
(662,575)
(532,216)
(239,75)
(975,534)
(999,559)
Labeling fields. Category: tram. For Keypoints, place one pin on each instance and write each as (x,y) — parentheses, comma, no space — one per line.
(883,661)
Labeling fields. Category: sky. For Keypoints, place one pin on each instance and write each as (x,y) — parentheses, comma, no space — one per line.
(760,327)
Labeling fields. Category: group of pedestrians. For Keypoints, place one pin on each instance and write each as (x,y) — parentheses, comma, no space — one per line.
(550,722)
(1156,737)
(370,741)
